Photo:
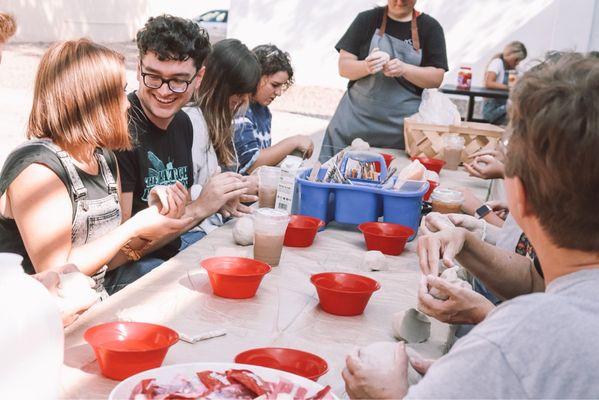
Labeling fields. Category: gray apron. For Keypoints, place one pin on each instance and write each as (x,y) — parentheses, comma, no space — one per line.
(95,218)
(374,107)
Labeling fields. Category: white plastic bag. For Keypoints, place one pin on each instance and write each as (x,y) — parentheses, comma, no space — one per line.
(436,108)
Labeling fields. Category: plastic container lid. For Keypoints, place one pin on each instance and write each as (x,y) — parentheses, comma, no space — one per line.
(447,196)
(453,141)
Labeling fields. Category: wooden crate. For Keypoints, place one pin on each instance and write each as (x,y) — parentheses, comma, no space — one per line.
(427,139)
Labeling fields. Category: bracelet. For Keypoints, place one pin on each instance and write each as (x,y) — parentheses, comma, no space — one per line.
(484,235)
(131,253)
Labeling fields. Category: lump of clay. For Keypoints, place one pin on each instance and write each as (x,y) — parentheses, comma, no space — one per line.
(411,326)
(359,145)
(75,292)
(380,357)
(384,56)
(451,275)
(413,172)
(374,260)
(243,231)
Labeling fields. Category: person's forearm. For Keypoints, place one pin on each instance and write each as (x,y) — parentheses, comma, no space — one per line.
(494,220)
(423,77)
(92,256)
(495,85)
(275,154)
(505,273)
(353,69)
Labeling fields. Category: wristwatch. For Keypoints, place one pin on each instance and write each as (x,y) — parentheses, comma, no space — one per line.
(482,211)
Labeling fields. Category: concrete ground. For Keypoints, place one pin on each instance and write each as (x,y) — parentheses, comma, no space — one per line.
(301,110)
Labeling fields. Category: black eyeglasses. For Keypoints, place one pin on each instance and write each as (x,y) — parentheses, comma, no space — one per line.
(176,85)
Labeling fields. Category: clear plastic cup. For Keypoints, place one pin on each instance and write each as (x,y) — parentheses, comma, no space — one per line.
(454,145)
(447,201)
(268,183)
(269,233)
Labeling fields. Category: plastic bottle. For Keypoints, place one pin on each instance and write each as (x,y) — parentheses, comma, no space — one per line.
(31,337)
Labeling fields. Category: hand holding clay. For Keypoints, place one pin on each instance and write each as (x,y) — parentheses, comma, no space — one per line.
(444,245)
(305,145)
(170,200)
(435,222)
(463,305)
(394,68)
(468,222)
(378,371)
(486,167)
(376,61)
(243,231)
(221,188)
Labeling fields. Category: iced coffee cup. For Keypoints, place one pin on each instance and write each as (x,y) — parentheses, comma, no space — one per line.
(267,189)
(454,145)
(269,233)
(447,201)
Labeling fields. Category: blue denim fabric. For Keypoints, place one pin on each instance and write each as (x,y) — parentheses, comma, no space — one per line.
(252,133)
(128,273)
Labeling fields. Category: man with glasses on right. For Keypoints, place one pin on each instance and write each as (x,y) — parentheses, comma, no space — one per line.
(171,53)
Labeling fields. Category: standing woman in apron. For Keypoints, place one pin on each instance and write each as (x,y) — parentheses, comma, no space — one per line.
(383,91)
(59,192)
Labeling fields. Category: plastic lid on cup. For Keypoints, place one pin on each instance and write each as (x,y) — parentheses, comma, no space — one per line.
(271,214)
(448,196)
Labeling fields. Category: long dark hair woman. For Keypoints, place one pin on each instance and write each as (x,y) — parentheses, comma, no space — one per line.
(231,77)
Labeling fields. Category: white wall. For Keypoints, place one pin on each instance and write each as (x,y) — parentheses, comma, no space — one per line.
(103,21)
(474,29)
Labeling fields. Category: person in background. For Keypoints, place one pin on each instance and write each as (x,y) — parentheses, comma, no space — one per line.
(59,191)
(389,54)
(253,131)
(172,51)
(8,27)
(231,75)
(552,197)
(496,77)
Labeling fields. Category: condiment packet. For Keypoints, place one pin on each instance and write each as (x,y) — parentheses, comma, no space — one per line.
(189,338)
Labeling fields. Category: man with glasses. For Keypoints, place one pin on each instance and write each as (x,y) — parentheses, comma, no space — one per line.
(171,53)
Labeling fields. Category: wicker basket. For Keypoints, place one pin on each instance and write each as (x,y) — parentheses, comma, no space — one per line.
(427,139)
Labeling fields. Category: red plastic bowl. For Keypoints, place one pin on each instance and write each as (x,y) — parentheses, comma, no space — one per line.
(235,277)
(127,348)
(432,186)
(344,294)
(301,231)
(385,237)
(388,158)
(432,164)
(297,362)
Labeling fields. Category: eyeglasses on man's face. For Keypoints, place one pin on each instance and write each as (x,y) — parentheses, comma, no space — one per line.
(176,85)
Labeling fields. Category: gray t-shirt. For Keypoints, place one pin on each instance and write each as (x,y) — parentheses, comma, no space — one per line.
(542,345)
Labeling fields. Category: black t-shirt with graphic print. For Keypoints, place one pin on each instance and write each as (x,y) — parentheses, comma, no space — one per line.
(158,157)
(356,39)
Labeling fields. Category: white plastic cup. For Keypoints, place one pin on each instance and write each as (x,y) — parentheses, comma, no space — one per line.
(269,233)
(268,183)
(454,145)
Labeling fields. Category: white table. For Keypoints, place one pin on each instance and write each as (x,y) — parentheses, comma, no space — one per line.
(284,313)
